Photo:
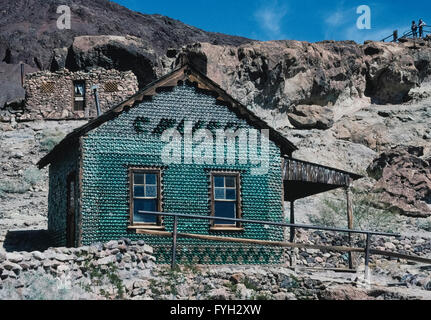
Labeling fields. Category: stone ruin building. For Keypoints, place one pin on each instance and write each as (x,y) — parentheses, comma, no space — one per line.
(64,95)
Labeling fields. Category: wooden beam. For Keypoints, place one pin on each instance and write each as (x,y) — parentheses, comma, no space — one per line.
(285,244)
(400,256)
(292,221)
(251,241)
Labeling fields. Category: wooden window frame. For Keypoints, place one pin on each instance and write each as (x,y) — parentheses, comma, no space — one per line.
(141,225)
(222,227)
(84,96)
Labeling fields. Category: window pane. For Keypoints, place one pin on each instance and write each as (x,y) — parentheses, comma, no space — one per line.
(218,181)
(151,191)
(79,89)
(144,205)
(231,194)
(79,105)
(224,210)
(230,182)
(139,178)
(139,191)
(151,179)
(219,193)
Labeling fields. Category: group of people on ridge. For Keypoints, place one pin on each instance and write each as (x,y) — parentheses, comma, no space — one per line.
(415,28)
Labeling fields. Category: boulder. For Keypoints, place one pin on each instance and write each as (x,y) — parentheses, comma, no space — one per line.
(122,53)
(311,117)
(219,294)
(8,274)
(392,73)
(38,255)
(14,257)
(285,296)
(403,181)
(236,278)
(345,292)
(7,265)
(106,260)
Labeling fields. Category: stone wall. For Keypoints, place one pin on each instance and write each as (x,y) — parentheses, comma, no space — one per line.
(50,95)
(305,257)
(100,270)
(126,270)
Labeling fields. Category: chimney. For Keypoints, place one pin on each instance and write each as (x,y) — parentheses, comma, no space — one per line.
(22,74)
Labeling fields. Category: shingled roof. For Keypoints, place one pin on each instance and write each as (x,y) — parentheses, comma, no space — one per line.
(186,73)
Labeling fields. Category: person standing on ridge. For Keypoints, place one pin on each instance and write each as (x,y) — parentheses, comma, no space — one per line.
(422,24)
(414,29)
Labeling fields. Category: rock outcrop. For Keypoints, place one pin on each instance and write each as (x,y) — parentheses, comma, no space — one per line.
(109,52)
(278,75)
(29,34)
(404,181)
(309,117)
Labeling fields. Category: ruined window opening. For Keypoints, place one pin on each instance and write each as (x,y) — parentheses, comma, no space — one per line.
(79,95)
(111,87)
(47,87)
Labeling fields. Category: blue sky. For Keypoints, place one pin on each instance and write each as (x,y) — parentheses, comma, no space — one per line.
(309,20)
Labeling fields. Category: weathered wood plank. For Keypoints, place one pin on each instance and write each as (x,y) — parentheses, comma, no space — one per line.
(296,170)
(401,256)
(285,244)
(251,241)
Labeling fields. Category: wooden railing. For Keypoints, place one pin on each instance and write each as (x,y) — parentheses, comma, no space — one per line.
(367,249)
(407,34)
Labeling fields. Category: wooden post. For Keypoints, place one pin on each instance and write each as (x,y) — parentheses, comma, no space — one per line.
(174,243)
(22,74)
(293,251)
(395,35)
(367,258)
(349,220)
(292,221)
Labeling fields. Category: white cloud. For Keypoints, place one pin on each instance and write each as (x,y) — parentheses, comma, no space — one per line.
(337,18)
(270,19)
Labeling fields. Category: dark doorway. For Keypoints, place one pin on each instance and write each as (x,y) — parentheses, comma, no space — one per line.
(70,215)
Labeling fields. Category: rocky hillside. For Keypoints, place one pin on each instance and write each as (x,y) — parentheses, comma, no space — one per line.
(29,34)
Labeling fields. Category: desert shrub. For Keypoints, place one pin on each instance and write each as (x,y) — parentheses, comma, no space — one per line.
(424,224)
(41,286)
(104,276)
(50,139)
(32,176)
(366,214)
(12,186)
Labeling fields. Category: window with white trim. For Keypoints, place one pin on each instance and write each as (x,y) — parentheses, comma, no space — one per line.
(225,199)
(145,196)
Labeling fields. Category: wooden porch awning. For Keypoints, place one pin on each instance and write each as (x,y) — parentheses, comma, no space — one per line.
(303,179)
